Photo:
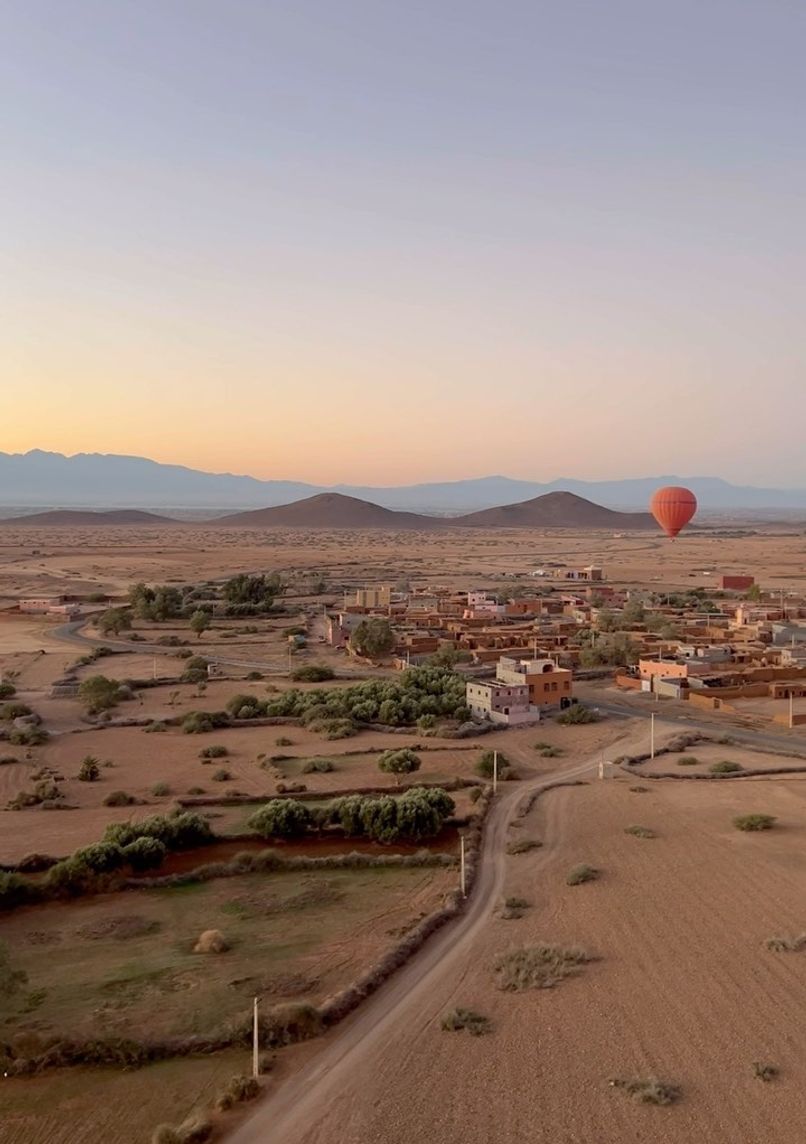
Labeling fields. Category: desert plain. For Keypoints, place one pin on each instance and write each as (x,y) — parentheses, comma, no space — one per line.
(681,982)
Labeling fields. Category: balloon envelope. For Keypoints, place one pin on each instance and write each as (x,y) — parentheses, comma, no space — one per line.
(673,507)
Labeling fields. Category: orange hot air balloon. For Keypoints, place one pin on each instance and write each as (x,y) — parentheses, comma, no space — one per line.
(673,507)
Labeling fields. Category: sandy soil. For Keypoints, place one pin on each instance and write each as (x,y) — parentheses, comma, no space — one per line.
(684,988)
(707,754)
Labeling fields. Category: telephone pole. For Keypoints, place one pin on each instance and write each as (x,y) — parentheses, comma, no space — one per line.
(462,866)
(255,1042)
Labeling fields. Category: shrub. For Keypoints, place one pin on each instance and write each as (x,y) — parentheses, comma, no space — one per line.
(726,767)
(283,741)
(28,737)
(577,713)
(313,673)
(523,845)
(200,722)
(145,853)
(239,1090)
(119,798)
(160,790)
(221,775)
(195,790)
(765,1072)
(214,752)
(486,765)
(281,818)
(688,761)
(514,908)
(649,1090)
(754,822)
(318,766)
(90,770)
(474,794)
(7,690)
(10,711)
(473,1022)
(538,967)
(101,857)
(156,727)
(583,873)
(403,761)
(180,830)
(639,831)
(99,693)
(11,980)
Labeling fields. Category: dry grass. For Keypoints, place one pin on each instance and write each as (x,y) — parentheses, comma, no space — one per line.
(523,846)
(640,831)
(539,966)
(786,944)
(578,875)
(648,1090)
(466,1019)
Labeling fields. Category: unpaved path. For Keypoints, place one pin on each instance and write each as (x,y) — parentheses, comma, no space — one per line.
(306,1098)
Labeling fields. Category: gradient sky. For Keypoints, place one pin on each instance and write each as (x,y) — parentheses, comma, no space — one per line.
(358,240)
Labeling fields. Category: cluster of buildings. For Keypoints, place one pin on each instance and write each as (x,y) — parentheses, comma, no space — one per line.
(59,606)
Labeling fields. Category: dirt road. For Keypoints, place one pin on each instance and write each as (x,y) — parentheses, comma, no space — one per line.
(305,1100)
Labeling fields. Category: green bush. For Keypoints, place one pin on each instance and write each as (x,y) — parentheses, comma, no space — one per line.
(577,713)
(119,798)
(180,830)
(28,737)
(473,1022)
(313,673)
(160,790)
(11,711)
(90,770)
(214,752)
(7,690)
(726,767)
(283,741)
(403,761)
(281,818)
(486,765)
(99,693)
(318,766)
(155,727)
(754,822)
(221,776)
(688,761)
(145,853)
(239,1090)
(200,722)
(101,857)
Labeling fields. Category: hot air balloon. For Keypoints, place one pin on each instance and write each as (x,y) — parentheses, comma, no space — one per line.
(673,507)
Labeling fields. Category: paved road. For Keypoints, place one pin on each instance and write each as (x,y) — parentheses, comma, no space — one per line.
(291,1109)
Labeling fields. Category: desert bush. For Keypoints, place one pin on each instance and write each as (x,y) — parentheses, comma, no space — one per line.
(221,775)
(639,789)
(194,790)
(239,1090)
(725,767)
(180,830)
(119,798)
(11,980)
(754,822)
(7,690)
(217,751)
(577,875)
(281,818)
(288,1024)
(474,794)
(538,967)
(101,857)
(648,1090)
(160,790)
(195,669)
(145,853)
(403,761)
(639,831)
(11,711)
(523,845)
(195,1130)
(28,736)
(318,766)
(786,944)
(283,741)
(459,1019)
(155,727)
(211,941)
(765,1072)
(313,673)
(201,722)
(16,891)
(99,693)
(513,908)
(90,770)
(688,761)
(576,714)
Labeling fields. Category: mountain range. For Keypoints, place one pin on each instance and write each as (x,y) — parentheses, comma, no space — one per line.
(335,510)
(91,480)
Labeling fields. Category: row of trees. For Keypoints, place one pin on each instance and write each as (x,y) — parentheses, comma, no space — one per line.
(417,814)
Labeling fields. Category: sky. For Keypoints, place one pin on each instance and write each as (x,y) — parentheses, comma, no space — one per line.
(377,242)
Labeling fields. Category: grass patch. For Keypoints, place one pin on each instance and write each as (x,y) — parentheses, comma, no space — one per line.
(538,967)
(640,831)
(580,874)
(725,767)
(648,1090)
(749,822)
(688,761)
(548,751)
(523,845)
(514,908)
(466,1019)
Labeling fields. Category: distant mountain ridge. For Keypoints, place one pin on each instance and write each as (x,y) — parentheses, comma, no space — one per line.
(92,480)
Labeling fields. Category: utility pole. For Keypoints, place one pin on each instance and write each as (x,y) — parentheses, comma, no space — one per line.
(652,735)
(462,866)
(255,1042)
(791,709)
(495,771)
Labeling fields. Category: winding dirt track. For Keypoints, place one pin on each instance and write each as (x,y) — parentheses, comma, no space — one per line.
(286,1114)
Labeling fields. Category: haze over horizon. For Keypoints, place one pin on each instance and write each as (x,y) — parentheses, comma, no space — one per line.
(386,245)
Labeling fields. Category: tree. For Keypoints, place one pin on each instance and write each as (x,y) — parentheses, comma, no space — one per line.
(606,620)
(200,621)
(257,592)
(281,818)
(373,637)
(486,765)
(753,593)
(399,762)
(99,693)
(158,604)
(90,770)
(114,620)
